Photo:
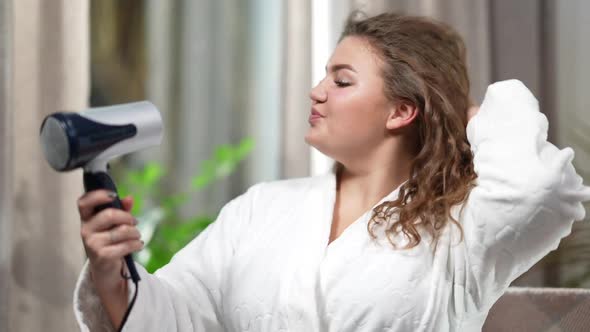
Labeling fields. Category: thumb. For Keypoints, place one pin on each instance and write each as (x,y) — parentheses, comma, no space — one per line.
(127,203)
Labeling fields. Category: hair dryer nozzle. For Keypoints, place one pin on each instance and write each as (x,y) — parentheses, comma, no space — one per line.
(91,138)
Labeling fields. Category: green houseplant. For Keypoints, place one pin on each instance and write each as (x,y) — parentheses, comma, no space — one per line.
(163,230)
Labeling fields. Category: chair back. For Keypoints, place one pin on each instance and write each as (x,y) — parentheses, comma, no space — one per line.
(526,309)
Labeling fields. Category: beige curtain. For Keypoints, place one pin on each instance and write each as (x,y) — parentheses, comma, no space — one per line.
(568,83)
(5,162)
(44,68)
(295,157)
(214,71)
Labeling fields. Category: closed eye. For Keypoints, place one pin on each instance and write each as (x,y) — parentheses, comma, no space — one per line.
(342,84)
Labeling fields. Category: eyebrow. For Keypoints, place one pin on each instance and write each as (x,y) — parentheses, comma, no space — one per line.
(338,67)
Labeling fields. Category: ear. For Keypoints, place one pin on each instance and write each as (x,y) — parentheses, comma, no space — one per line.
(401,115)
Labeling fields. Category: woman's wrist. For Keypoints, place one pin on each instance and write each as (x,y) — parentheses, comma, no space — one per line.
(113,293)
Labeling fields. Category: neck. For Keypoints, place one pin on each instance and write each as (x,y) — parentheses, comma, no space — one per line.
(368,179)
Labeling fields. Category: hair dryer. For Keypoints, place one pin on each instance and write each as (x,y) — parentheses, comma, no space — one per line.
(90,139)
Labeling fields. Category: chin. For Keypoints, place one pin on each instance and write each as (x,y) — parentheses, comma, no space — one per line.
(312,139)
(326,144)
(318,144)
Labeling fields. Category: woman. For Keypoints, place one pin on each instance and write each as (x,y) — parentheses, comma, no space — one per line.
(423,224)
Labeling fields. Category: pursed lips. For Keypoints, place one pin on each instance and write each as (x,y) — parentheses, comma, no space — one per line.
(315,115)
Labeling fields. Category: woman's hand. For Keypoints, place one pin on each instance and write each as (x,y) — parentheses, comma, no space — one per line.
(108,236)
(471,112)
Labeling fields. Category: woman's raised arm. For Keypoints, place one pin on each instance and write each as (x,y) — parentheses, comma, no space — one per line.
(527,197)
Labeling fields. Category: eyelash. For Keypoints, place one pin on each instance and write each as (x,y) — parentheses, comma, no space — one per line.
(341,84)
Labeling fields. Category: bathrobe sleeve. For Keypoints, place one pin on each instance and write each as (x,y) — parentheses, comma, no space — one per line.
(526,198)
(186,294)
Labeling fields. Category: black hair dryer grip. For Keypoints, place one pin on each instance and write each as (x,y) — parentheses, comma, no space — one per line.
(102,180)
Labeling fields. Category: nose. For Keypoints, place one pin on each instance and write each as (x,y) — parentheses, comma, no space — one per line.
(318,94)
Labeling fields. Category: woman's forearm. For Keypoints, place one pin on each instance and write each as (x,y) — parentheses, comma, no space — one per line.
(113,294)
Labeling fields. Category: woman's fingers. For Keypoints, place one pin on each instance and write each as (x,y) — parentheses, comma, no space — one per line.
(116,235)
(472,111)
(108,235)
(107,258)
(105,249)
(109,218)
(122,233)
(89,201)
(127,203)
(121,249)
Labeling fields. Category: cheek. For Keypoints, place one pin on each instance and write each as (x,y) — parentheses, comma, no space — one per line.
(346,105)
(354,112)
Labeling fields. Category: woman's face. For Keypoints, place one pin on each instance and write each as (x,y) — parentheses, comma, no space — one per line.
(349,109)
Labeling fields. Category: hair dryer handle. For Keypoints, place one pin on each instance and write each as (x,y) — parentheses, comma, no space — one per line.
(102,180)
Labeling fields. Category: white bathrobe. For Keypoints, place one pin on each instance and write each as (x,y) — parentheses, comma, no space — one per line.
(266,265)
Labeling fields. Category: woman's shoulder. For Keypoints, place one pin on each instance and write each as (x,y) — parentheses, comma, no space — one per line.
(275,197)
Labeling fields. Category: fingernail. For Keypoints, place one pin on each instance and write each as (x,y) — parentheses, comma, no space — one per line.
(112,194)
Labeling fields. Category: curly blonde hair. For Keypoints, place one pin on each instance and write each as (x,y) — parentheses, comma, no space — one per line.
(424,64)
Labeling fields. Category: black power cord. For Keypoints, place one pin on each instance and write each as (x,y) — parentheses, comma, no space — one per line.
(129,308)
(126,316)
